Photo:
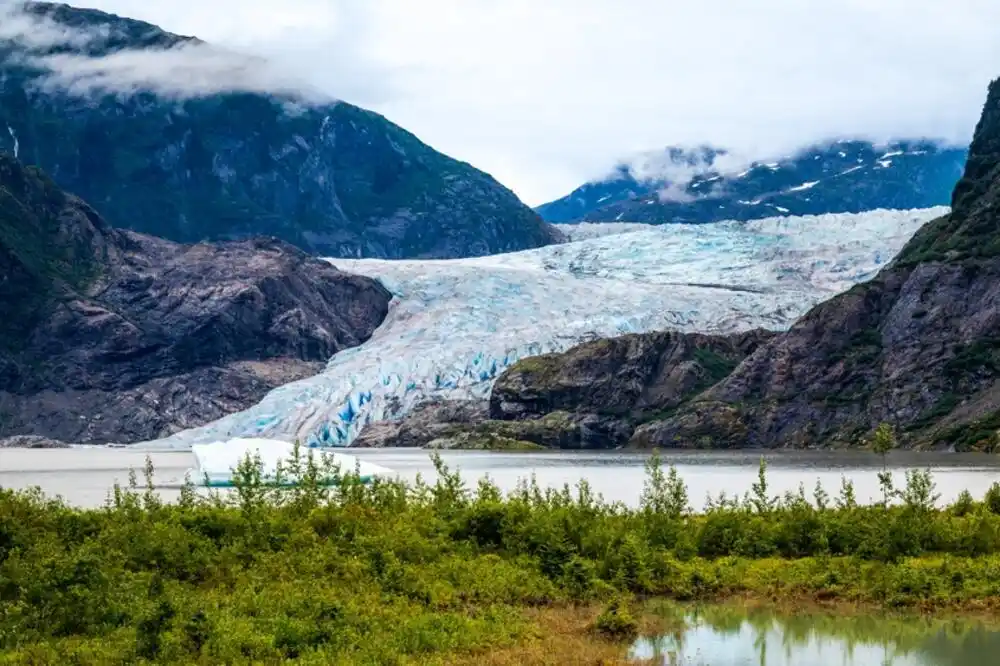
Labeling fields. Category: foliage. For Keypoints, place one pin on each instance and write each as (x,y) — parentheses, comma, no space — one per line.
(617,622)
(390,572)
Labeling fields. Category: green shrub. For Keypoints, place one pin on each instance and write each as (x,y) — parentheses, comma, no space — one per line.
(616,622)
(393,572)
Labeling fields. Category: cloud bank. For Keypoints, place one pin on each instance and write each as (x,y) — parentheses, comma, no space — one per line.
(546,95)
(185,70)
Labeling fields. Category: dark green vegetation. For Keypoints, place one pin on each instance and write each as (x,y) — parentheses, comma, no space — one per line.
(846,177)
(40,252)
(391,574)
(330,178)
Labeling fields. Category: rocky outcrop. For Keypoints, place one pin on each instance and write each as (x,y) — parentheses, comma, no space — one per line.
(424,424)
(632,376)
(189,165)
(114,336)
(918,347)
(590,397)
(31,442)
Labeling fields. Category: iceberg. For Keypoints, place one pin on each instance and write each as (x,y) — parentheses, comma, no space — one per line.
(216,462)
(455,325)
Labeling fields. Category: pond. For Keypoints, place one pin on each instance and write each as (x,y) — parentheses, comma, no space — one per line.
(740,636)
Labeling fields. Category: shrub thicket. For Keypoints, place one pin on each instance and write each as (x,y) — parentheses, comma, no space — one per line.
(398,573)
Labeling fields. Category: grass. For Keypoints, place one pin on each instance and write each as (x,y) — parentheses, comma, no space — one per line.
(395,573)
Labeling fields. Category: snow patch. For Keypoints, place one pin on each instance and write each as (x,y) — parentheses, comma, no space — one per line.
(17,145)
(455,325)
(803,186)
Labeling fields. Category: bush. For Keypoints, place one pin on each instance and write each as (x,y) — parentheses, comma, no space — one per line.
(616,622)
(392,572)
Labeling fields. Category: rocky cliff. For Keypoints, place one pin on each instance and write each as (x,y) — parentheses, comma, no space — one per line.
(918,347)
(113,336)
(80,98)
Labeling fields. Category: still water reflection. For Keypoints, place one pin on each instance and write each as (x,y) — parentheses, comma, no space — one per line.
(730,636)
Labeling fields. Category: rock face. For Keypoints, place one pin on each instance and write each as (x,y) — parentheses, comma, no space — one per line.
(31,442)
(590,397)
(841,177)
(424,424)
(331,178)
(114,336)
(632,376)
(918,347)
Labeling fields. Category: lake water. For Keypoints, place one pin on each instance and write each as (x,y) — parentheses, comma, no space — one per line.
(730,636)
(84,476)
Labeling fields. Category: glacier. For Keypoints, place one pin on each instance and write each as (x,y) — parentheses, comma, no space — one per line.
(455,325)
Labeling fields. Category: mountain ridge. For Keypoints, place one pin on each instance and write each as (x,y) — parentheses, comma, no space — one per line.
(917,347)
(113,336)
(845,176)
(333,179)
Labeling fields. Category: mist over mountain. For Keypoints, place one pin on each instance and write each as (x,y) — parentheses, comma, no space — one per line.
(710,184)
(171,136)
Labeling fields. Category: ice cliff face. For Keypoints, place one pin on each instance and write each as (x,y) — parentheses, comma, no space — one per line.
(455,325)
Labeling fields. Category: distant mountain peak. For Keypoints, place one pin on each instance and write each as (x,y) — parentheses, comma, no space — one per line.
(709,184)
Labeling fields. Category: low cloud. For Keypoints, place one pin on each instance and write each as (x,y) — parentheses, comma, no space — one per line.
(38,33)
(673,169)
(189,69)
(182,72)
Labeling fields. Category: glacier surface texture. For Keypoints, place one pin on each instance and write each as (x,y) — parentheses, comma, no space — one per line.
(454,325)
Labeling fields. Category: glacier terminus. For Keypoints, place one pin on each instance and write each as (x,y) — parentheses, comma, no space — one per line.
(455,325)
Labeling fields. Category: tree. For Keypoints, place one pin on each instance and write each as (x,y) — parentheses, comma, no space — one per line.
(883,441)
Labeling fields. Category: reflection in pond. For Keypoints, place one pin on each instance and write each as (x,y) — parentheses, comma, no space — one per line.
(732,636)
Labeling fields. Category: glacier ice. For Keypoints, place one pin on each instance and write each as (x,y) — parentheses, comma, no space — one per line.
(454,325)
(216,462)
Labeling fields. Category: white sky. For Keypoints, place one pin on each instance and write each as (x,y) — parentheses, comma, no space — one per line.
(546,94)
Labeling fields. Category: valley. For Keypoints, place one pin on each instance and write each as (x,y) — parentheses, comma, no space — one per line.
(717,405)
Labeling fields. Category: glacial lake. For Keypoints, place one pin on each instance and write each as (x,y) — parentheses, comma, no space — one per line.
(84,476)
(734,636)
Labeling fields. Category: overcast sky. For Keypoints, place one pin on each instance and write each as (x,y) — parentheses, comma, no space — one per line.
(546,94)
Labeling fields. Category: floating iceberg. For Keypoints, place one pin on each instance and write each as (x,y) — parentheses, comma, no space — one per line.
(215,463)
(455,325)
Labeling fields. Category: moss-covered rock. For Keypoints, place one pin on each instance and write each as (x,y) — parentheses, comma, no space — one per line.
(629,377)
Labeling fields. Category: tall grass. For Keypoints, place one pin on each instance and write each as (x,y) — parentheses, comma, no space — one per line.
(391,572)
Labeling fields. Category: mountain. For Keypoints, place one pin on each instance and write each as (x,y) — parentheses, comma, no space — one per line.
(113,336)
(837,177)
(80,97)
(917,347)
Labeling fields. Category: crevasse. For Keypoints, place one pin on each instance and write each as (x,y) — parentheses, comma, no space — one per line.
(455,325)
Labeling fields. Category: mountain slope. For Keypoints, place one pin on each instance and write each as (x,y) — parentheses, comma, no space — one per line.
(330,178)
(840,177)
(917,347)
(110,335)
